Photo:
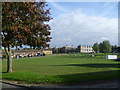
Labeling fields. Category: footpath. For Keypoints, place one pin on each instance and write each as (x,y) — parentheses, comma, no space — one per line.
(97,85)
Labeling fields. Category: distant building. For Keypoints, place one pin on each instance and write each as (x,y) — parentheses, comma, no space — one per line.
(85,49)
(47,51)
(28,53)
(69,49)
(64,49)
(72,49)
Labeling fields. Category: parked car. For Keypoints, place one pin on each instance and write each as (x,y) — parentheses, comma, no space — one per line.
(118,59)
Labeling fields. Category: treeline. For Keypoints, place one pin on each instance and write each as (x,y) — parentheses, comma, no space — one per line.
(104,47)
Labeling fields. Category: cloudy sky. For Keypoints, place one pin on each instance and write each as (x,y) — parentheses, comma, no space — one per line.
(83,23)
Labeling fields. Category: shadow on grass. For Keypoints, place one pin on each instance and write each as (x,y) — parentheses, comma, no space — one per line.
(95,65)
(64,79)
(4,72)
(86,77)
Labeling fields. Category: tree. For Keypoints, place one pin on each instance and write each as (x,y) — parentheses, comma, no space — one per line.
(55,50)
(118,48)
(24,23)
(114,48)
(101,48)
(105,46)
(96,47)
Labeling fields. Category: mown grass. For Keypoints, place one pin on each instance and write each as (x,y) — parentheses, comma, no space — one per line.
(73,68)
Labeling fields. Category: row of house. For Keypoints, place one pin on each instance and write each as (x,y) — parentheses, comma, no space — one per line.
(72,49)
(27,53)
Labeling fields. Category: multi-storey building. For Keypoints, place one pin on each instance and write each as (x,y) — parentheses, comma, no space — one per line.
(69,49)
(85,48)
(64,49)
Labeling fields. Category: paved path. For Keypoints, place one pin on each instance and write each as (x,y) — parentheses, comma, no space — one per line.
(7,86)
(101,85)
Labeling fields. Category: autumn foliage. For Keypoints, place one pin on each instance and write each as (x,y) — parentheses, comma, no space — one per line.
(24,23)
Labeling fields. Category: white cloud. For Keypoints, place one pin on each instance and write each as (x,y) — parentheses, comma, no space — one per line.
(58,7)
(77,28)
(111,7)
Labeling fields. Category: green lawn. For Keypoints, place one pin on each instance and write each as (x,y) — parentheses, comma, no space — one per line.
(62,69)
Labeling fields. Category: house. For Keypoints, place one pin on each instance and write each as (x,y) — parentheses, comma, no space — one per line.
(47,51)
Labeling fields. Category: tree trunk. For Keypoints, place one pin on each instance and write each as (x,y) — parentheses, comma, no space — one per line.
(9,59)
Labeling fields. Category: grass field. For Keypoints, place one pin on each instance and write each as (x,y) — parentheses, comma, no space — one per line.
(62,69)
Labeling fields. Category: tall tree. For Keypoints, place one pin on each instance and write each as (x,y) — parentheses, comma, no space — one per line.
(105,46)
(101,48)
(96,47)
(24,23)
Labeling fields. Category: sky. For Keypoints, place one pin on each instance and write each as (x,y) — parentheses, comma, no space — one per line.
(85,23)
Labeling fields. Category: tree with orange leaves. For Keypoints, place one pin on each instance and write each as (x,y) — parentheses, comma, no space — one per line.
(24,23)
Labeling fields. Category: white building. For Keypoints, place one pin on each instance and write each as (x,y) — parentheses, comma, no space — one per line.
(85,49)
